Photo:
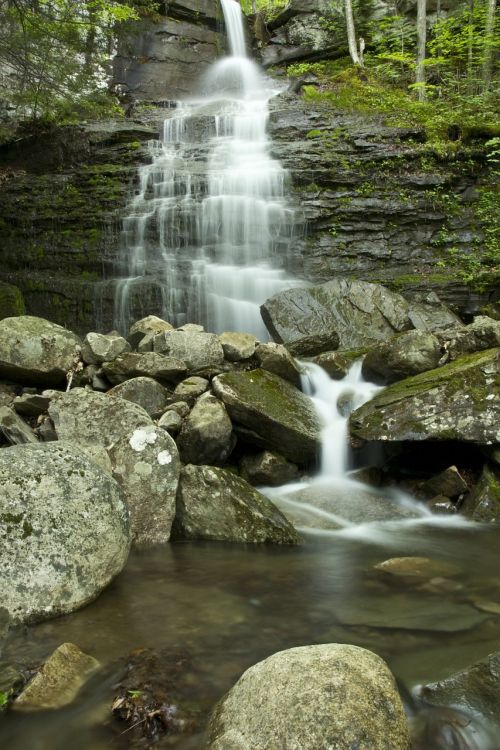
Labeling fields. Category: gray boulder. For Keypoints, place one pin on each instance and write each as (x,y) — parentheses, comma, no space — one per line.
(333,363)
(483,333)
(428,313)
(99,347)
(146,392)
(170,421)
(64,530)
(277,359)
(146,465)
(148,326)
(190,389)
(483,503)
(408,354)
(31,404)
(196,349)
(268,469)
(343,314)
(14,429)
(454,402)
(33,350)
(311,697)
(448,483)
(149,365)
(206,436)
(215,504)
(238,346)
(271,413)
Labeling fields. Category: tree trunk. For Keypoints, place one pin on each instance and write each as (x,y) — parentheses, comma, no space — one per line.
(488,43)
(421,40)
(351,33)
(470,49)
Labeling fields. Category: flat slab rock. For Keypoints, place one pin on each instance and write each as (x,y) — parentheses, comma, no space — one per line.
(456,402)
(274,413)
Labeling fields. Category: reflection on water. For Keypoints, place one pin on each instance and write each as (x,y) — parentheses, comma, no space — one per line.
(230,606)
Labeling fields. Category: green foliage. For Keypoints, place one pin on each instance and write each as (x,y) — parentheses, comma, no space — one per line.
(4,698)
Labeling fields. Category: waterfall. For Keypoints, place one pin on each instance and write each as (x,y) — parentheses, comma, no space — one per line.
(208,235)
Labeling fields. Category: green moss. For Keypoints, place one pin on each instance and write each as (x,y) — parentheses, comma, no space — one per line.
(11,301)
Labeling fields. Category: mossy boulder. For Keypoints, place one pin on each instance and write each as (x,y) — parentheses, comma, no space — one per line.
(454,402)
(33,350)
(271,413)
(483,503)
(408,354)
(11,301)
(215,504)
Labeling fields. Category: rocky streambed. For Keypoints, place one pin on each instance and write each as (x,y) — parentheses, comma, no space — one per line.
(113,444)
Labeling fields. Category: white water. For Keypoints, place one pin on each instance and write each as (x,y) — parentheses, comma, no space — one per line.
(207,236)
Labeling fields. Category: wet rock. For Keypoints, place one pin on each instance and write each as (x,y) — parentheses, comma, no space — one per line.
(99,347)
(14,429)
(268,469)
(273,413)
(333,363)
(146,392)
(206,436)
(31,404)
(11,680)
(483,503)
(170,421)
(277,359)
(428,313)
(354,313)
(58,681)
(149,365)
(190,389)
(146,465)
(415,569)
(238,346)
(196,349)
(64,530)
(214,504)
(4,628)
(454,402)
(33,350)
(476,690)
(441,504)
(309,698)
(148,326)
(483,333)
(448,483)
(408,354)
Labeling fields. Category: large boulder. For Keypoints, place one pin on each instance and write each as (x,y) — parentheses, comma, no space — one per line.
(277,359)
(206,436)
(146,392)
(64,530)
(198,350)
(453,402)
(483,503)
(215,504)
(312,697)
(271,413)
(33,350)
(150,364)
(408,354)
(349,313)
(100,347)
(482,333)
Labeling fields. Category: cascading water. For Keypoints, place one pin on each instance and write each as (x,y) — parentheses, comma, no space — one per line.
(207,237)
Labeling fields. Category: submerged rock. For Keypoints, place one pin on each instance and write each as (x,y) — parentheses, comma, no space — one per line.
(352,313)
(408,354)
(33,350)
(415,569)
(272,413)
(454,402)
(215,504)
(206,436)
(311,697)
(64,530)
(58,681)
(483,503)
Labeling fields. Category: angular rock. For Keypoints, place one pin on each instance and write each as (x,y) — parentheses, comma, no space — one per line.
(308,698)
(33,350)
(408,354)
(146,392)
(206,436)
(355,313)
(146,465)
(333,363)
(196,349)
(190,389)
(238,346)
(215,504)
(58,680)
(454,402)
(277,359)
(483,333)
(273,413)
(180,407)
(149,365)
(89,418)
(448,483)
(268,469)
(148,326)
(64,530)
(14,429)
(428,313)
(170,421)
(483,503)
(99,347)
(31,404)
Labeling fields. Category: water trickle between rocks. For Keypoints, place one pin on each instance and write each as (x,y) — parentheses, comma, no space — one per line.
(208,234)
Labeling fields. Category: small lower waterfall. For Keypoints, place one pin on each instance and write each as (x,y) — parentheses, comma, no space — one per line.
(207,237)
